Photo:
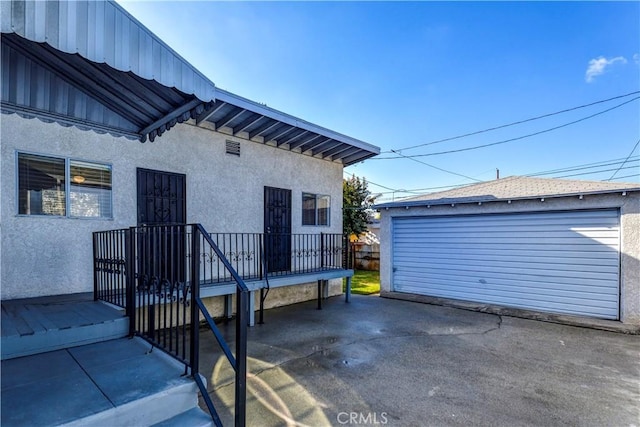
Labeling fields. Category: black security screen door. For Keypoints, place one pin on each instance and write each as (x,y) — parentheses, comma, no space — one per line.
(277,228)
(161,197)
(162,244)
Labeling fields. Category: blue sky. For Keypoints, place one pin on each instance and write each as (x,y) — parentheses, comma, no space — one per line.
(399,74)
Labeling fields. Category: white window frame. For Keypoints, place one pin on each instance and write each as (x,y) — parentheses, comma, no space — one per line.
(67,185)
(316,210)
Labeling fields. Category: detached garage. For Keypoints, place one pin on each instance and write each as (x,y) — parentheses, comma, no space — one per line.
(557,246)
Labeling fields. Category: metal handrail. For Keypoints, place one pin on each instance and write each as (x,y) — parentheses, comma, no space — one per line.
(239,363)
(154,274)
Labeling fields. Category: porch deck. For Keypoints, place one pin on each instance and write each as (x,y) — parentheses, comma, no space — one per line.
(33,325)
(227,289)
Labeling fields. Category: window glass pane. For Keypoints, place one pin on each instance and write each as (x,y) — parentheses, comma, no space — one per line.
(324,211)
(89,190)
(308,209)
(41,185)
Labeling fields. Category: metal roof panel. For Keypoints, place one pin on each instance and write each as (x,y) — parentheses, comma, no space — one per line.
(104,32)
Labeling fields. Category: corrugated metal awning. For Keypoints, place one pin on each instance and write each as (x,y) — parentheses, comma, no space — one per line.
(103,32)
(100,50)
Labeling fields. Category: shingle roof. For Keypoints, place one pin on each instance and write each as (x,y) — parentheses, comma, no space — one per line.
(515,188)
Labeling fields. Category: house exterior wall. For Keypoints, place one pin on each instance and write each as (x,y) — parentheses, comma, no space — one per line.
(628,205)
(44,255)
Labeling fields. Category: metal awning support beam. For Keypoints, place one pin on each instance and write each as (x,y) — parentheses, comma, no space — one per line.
(233,114)
(209,112)
(304,141)
(355,158)
(343,153)
(336,150)
(250,121)
(323,146)
(168,119)
(314,144)
(299,133)
(263,128)
(282,131)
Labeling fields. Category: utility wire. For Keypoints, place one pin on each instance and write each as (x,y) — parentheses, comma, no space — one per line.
(625,160)
(512,124)
(379,185)
(626,176)
(506,140)
(593,173)
(568,168)
(595,165)
(436,167)
(581,168)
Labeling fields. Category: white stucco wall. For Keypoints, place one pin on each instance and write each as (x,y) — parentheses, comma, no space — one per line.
(629,206)
(51,255)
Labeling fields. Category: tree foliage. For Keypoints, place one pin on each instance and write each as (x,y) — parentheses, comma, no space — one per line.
(356,205)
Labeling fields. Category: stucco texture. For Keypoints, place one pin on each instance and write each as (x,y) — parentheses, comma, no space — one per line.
(629,206)
(44,255)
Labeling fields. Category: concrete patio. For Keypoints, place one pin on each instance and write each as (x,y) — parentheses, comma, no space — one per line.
(400,363)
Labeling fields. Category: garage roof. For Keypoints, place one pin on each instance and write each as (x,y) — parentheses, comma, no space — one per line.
(514,188)
(97,49)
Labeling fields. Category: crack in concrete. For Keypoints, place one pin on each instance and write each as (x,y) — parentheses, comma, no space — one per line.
(361,341)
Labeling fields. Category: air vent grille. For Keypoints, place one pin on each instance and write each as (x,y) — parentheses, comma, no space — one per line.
(233,148)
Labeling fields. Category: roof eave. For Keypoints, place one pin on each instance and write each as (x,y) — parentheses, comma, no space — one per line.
(466,201)
(269,112)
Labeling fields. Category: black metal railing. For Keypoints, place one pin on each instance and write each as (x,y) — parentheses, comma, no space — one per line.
(109,266)
(242,250)
(254,255)
(155,273)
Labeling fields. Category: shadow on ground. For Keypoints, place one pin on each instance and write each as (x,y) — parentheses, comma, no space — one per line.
(380,361)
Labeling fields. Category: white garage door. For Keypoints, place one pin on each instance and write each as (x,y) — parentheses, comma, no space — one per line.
(563,262)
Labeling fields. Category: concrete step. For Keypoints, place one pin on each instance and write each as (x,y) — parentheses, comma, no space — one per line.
(36,326)
(121,382)
(195,417)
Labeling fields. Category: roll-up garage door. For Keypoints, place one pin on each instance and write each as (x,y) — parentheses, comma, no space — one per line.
(561,262)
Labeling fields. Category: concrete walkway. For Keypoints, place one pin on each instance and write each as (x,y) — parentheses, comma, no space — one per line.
(64,386)
(399,363)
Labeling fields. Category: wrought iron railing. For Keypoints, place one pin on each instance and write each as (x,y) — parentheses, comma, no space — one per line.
(256,255)
(109,266)
(154,272)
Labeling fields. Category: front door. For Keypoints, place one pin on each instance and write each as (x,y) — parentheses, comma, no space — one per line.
(161,239)
(277,228)
(161,197)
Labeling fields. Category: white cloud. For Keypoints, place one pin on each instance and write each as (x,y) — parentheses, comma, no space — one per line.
(598,66)
(636,58)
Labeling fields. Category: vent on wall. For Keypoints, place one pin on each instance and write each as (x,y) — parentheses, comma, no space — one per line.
(233,147)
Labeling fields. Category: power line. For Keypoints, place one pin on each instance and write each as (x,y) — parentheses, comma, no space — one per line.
(626,176)
(581,168)
(436,167)
(506,140)
(513,123)
(593,173)
(625,160)
(379,185)
(595,164)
